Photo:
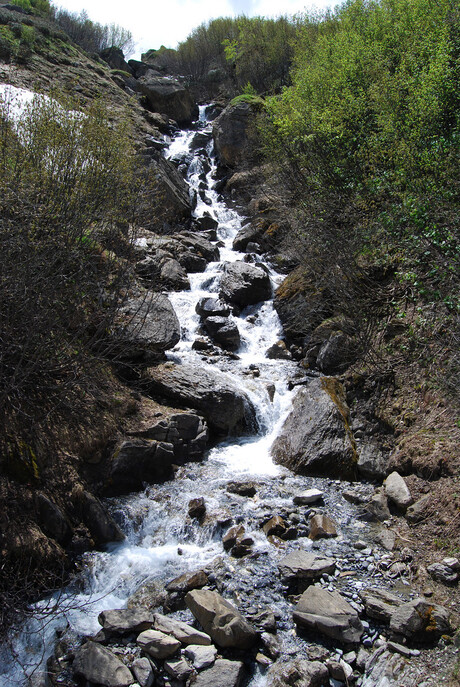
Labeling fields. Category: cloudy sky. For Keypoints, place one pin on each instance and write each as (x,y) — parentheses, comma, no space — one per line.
(166,22)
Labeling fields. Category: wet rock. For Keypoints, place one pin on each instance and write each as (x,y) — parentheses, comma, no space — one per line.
(223,673)
(275,526)
(418,620)
(143,672)
(206,223)
(328,612)
(168,96)
(170,197)
(99,522)
(418,510)
(278,351)
(173,277)
(397,491)
(97,664)
(315,438)
(443,573)
(243,284)
(224,332)
(197,508)
(151,327)
(377,507)
(220,619)
(157,644)
(199,245)
(184,633)
(251,233)
(380,603)
(271,644)
(225,407)
(178,669)
(237,542)
(125,620)
(151,594)
(304,565)
(298,673)
(211,307)
(321,526)
(242,488)
(138,461)
(308,497)
(201,656)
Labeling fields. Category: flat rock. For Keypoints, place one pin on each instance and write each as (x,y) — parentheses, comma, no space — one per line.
(220,619)
(201,656)
(157,644)
(225,407)
(328,612)
(305,498)
(298,673)
(244,284)
(304,565)
(223,673)
(184,633)
(397,491)
(125,620)
(380,603)
(315,438)
(97,664)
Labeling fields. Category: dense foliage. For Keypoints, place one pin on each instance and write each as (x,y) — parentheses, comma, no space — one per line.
(368,135)
(66,184)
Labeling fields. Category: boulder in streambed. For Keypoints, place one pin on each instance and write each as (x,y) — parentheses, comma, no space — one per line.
(158,644)
(98,665)
(244,284)
(224,332)
(298,673)
(168,96)
(316,438)
(138,461)
(223,673)
(220,619)
(186,634)
(328,613)
(232,133)
(305,565)
(420,620)
(397,491)
(214,394)
(125,620)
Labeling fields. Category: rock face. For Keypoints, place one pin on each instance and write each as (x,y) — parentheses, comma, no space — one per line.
(305,565)
(152,327)
(224,406)
(168,96)
(315,438)
(328,613)
(220,619)
(243,284)
(231,133)
(100,666)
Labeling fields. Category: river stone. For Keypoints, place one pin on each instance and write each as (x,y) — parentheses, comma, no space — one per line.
(305,498)
(315,438)
(138,461)
(197,508)
(97,664)
(223,673)
(377,507)
(201,656)
(157,644)
(151,326)
(298,673)
(265,620)
(188,581)
(328,613)
(167,96)
(242,488)
(321,526)
(278,351)
(186,634)
(187,432)
(143,671)
(225,407)
(100,523)
(125,620)
(380,603)
(179,669)
(222,621)
(275,526)
(173,277)
(251,233)
(199,244)
(223,331)
(244,284)
(151,594)
(304,565)
(397,491)
(210,307)
(419,620)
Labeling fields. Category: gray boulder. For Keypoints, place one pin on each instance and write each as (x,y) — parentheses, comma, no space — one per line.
(418,510)
(316,438)
(304,565)
(223,673)
(380,603)
(125,620)
(420,620)
(231,132)
(201,656)
(98,665)
(157,644)
(143,671)
(186,634)
(328,612)
(307,497)
(151,326)
(179,669)
(397,491)
(99,522)
(167,192)
(168,96)
(215,395)
(212,307)
(443,573)
(52,520)
(321,526)
(298,673)
(251,233)
(372,463)
(186,432)
(173,277)
(377,507)
(199,244)
(224,332)
(222,621)
(244,284)
(139,461)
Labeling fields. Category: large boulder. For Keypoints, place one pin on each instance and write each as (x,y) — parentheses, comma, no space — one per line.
(166,191)
(244,284)
(316,438)
(223,673)
(328,613)
(186,432)
(222,621)
(225,407)
(380,603)
(115,59)
(420,620)
(186,634)
(305,565)
(232,133)
(125,620)
(224,332)
(151,326)
(397,491)
(139,461)
(99,522)
(98,665)
(168,96)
